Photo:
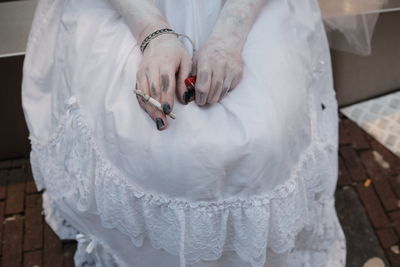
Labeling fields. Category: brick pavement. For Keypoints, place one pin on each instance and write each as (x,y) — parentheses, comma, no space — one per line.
(374,171)
(26,239)
(364,164)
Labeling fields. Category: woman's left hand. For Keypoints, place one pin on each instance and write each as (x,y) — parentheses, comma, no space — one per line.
(218,67)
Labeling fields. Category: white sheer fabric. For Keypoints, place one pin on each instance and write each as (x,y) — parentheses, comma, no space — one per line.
(246,182)
(350,23)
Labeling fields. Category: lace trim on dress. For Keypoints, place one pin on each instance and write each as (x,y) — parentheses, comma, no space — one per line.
(193,230)
(91,250)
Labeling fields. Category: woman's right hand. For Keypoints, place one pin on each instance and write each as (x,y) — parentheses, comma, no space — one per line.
(164,60)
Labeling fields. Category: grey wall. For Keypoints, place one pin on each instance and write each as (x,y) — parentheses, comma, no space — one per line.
(359,78)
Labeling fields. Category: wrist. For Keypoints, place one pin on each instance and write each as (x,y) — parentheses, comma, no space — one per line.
(161,39)
(150,28)
(158,36)
(227,43)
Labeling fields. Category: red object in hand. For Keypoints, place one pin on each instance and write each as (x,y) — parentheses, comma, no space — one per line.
(190,82)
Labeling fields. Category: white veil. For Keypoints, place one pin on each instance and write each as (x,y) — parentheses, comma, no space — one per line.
(350,23)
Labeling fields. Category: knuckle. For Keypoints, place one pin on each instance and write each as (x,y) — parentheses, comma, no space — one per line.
(187,62)
(147,70)
(240,69)
(167,68)
(235,68)
(218,85)
(213,99)
(203,79)
(202,62)
(202,90)
(201,96)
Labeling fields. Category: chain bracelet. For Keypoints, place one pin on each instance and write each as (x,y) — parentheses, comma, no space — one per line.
(159,32)
(153,35)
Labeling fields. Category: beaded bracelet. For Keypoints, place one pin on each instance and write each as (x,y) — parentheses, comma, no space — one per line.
(159,32)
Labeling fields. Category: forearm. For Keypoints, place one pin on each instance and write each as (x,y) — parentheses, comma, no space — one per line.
(142,16)
(235,21)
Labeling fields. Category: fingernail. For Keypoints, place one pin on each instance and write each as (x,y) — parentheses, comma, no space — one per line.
(159,123)
(191,92)
(166,108)
(186,97)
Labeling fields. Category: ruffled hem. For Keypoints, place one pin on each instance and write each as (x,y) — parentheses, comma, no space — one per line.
(91,251)
(70,166)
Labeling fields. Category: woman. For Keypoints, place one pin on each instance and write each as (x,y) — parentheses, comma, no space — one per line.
(246,173)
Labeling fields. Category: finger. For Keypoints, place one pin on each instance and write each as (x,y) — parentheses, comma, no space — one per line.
(194,66)
(142,104)
(202,86)
(232,79)
(216,88)
(157,116)
(225,88)
(236,78)
(167,90)
(153,80)
(141,84)
(184,72)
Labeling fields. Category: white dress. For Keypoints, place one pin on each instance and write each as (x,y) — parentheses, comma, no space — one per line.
(245,182)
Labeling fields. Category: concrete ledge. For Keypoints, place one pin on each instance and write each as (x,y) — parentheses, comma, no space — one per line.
(15,22)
